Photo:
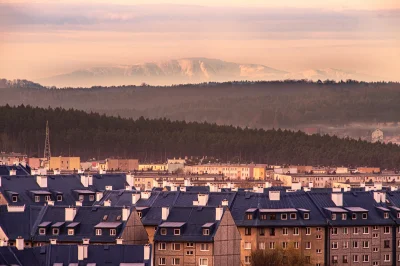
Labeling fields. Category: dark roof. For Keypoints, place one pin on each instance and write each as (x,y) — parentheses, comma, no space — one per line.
(117,181)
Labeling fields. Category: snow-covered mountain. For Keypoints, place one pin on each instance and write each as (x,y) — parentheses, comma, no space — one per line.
(188,70)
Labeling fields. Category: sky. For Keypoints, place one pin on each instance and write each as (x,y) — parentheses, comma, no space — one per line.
(39,39)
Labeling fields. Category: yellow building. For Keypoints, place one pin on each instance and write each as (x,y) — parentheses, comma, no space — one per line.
(65,163)
(259,173)
(153,167)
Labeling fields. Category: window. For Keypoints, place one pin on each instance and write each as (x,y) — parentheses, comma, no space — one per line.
(344,216)
(163,231)
(176,261)
(162,246)
(375,235)
(247,245)
(293,216)
(190,245)
(261,231)
(203,262)
(59,197)
(319,237)
(177,232)
(365,258)
(386,215)
(375,249)
(295,231)
(271,245)
(308,245)
(365,215)
(247,231)
(355,258)
(365,244)
(334,259)
(47,198)
(14,198)
(296,245)
(284,216)
(398,215)
(345,244)
(386,230)
(355,230)
(319,229)
(398,243)
(81,197)
(98,232)
(386,244)
(119,219)
(204,247)
(272,231)
(375,227)
(105,217)
(284,231)
(261,245)
(345,259)
(71,232)
(334,245)
(263,217)
(306,216)
(56,231)
(334,230)
(176,246)
(113,232)
(345,230)
(319,251)
(249,216)
(37,198)
(42,231)
(91,197)
(354,216)
(386,257)
(355,244)
(333,216)
(139,213)
(189,252)
(206,232)
(365,230)
(272,216)
(284,245)
(308,231)
(162,261)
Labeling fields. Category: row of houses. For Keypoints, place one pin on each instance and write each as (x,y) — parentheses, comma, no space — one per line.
(190,225)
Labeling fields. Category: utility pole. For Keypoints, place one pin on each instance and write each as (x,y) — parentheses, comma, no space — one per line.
(47,153)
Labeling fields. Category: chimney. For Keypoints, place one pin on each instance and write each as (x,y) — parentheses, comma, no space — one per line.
(85,241)
(57,172)
(187,183)
(202,199)
(128,188)
(225,202)
(173,187)
(102,172)
(82,252)
(311,185)
(126,211)
(70,213)
(99,196)
(218,213)
(0,181)
(130,180)
(80,171)
(296,186)
(19,243)
(183,189)
(50,203)
(108,187)
(13,172)
(146,251)
(107,203)
(337,198)
(53,241)
(78,203)
(41,180)
(145,194)
(135,198)
(85,180)
(120,241)
(274,195)
(3,243)
(267,184)
(164,213)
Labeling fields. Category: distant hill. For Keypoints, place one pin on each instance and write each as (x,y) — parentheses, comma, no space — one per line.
(190,70)
(78,133)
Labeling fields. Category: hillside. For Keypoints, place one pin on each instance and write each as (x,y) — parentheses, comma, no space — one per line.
(288,104)
(92,135)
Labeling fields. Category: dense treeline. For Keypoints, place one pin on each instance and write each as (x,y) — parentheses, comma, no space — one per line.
(91,135)
(285,104)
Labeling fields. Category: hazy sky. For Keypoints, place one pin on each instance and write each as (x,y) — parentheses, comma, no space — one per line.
(44,38)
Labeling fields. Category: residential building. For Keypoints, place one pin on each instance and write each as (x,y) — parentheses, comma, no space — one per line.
(64,163)
(121,165)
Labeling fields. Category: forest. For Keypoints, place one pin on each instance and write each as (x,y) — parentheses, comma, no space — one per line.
(286,104)
(92,135)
